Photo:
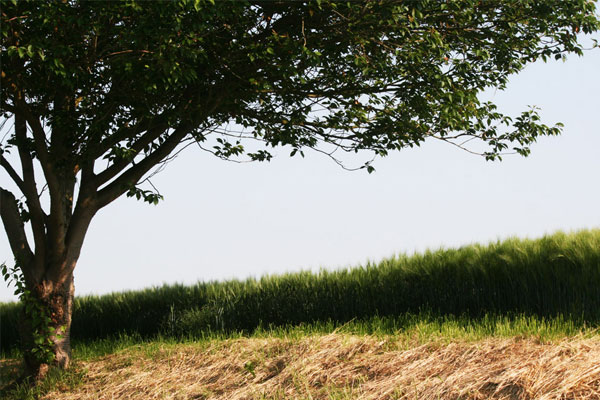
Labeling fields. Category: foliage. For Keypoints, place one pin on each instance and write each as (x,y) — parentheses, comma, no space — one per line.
(127,82)
(547,278)
(35,312)
(102,94)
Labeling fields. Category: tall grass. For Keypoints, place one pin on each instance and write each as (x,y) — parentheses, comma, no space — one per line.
(555,276)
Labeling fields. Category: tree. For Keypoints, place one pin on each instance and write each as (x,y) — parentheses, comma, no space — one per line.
(96,95)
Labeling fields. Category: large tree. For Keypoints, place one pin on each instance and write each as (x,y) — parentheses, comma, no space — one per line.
(97,95)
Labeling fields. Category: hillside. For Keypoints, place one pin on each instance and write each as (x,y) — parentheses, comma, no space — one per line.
(556,276)
(339,366)
(516,319)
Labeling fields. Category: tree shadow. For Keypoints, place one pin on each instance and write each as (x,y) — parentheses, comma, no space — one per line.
(11,374)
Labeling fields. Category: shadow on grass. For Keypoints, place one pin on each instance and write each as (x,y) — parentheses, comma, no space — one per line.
(10,371)
(14,387)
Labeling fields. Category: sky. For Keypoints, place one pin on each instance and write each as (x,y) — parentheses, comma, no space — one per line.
(222,220)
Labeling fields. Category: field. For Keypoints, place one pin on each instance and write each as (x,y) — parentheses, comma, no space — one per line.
(515,319)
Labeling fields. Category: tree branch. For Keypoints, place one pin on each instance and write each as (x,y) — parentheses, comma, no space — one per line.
(80,222)
(121,134)
(59,193)
(15,230)
(137,171)
(118,166)
(39,136)
(41,148)
(12,173)
(38,217)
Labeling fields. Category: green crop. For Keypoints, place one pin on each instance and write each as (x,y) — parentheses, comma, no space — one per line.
(555,278)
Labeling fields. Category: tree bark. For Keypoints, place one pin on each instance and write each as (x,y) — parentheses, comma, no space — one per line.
(57,301)
(45,323)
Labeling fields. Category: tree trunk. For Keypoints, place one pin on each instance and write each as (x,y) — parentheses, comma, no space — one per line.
(56,301)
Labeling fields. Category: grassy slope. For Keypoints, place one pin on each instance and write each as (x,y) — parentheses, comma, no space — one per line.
(333,366)
(556,275)
(440,355)
(422,358)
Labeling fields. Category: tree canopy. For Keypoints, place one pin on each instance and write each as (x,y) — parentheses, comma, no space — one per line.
(101,93)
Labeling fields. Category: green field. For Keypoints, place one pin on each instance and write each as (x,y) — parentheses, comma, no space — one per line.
(289,362)
(544,292)
(549,284)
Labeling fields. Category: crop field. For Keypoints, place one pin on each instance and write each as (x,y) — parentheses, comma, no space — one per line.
(516,319)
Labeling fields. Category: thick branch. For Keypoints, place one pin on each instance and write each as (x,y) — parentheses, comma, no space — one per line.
(137,171)
(39,138)
(121,134)
(80,222)
(87,186)
(118,166)
(12,173)
(15,230)
(84,211)
(38,217)
(59,193)
(132,175)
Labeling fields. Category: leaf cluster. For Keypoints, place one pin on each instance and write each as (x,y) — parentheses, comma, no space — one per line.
(117,80)
(36,313)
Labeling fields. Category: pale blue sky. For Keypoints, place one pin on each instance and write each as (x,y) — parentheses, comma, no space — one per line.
(222,220)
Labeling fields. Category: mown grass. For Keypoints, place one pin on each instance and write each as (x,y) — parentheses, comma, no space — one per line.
(547,289)
(400,332)
(554,278)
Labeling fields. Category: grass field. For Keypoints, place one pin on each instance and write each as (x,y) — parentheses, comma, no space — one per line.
(556,276)
(516,319)
(510,358)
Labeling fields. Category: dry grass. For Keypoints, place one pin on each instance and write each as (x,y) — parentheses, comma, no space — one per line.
(339,366)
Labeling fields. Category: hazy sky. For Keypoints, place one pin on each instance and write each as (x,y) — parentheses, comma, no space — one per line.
(222,220)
